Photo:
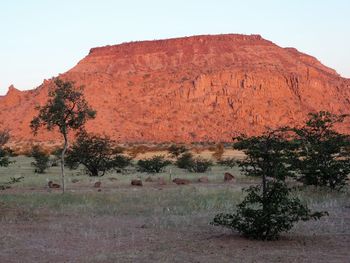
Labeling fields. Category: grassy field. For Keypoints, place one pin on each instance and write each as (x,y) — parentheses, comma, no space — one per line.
(153,223)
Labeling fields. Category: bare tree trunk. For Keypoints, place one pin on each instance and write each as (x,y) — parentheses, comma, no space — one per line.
(264,184)
(62,161)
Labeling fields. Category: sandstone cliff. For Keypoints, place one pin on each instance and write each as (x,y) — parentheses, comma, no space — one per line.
(190,89)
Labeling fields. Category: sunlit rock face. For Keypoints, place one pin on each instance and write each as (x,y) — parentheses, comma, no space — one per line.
(201,88)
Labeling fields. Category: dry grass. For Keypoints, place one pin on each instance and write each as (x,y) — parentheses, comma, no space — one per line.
(153,223)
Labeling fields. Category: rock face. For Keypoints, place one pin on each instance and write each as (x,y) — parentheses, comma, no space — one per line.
(190,89)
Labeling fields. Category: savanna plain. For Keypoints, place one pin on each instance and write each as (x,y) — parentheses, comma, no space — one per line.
(155,222)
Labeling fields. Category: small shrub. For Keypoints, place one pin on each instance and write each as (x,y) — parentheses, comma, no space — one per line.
(4,137)
(13,180)
(185,160)
(41,159)
(196,165)
(200,165)
(154,165)
(265,214)
(121,161)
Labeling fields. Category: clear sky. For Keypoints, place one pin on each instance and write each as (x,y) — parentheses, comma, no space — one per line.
(42,38)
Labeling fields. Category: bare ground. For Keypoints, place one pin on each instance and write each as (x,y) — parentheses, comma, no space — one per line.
(44,234)
(153,223)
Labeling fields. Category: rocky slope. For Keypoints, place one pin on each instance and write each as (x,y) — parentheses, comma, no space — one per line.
(190,89)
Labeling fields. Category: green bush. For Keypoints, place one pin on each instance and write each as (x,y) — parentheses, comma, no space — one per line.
(196,165)
(200,165)
(185,160)
(4,154)
(97,154)
(154,165)
(268,209)
(41,159)
(264,215)
(121,161)
(323,156)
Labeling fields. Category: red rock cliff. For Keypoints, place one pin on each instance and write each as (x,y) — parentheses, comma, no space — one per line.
(190,89)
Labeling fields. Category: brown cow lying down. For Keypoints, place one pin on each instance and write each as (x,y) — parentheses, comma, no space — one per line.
(203,179)
(52,185)
(181,181)
(136,182)
(228,177)
(97,184)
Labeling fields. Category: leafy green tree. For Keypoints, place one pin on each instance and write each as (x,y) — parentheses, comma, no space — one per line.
(268,155)
(156,164)
(323,157)
(4,138)
(41,159)
(268,209)
(66,109)
(97,154)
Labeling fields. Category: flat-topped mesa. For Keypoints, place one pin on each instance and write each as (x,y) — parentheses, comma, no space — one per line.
(200,88)
(207,52)
(149,46)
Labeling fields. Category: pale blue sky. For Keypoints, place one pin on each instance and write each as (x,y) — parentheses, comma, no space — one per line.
(41,38)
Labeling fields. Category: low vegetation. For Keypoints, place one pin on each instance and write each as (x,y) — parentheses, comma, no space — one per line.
(192,164)
(4,154)
(97,154)
(268,208)
(315,154)
(156,164)
(41,159)
(323,156)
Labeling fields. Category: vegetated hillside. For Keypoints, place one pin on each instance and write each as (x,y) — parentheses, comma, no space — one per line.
(196,88)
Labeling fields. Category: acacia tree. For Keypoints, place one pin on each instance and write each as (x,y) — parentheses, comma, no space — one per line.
(268,155)
(96,153)
(268,209)
(4,137)
(66,109)
(323,158)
